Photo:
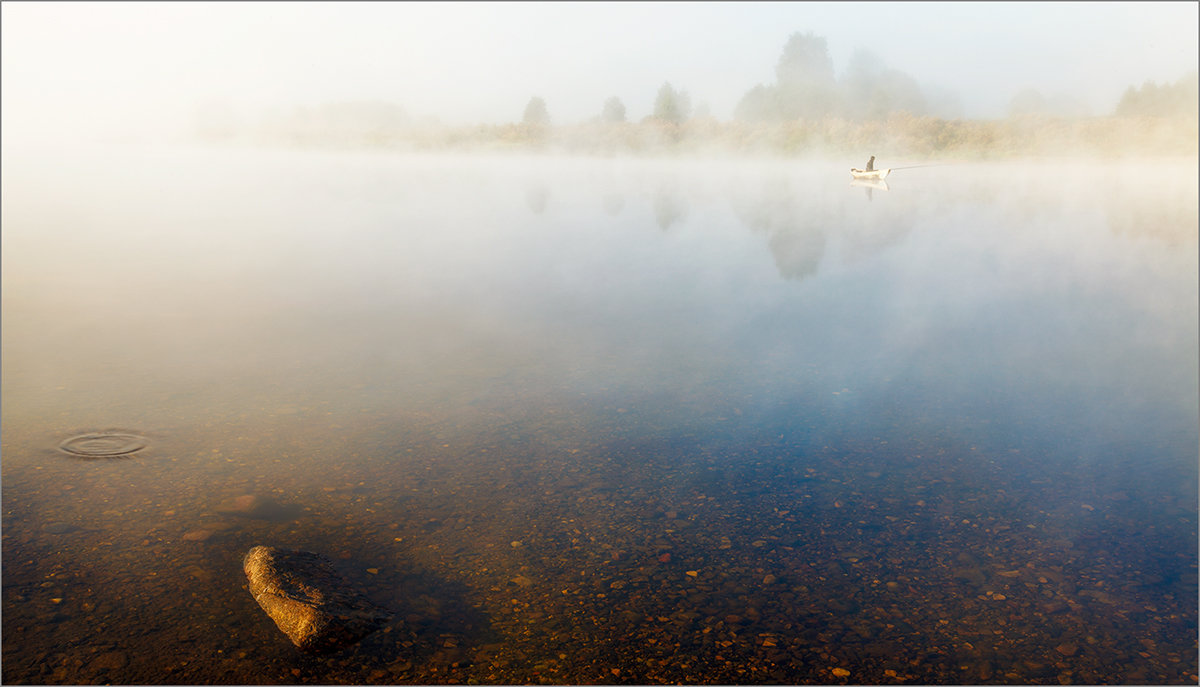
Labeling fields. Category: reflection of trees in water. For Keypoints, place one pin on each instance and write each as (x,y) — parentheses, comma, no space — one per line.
(613,203)
(800,221)
(536,197)
(871,227)
(1165,210)
(669,206)
(1138,199)
(795,230)
(797,253)
(1171,221)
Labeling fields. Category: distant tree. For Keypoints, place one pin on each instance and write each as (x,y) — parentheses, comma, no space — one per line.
(872,91)
(862,77)
(614,111)
(1179,98)
(804,78)
(804,85)
(805,59)
(671,105)
(1134,101)
(536,113)
(759,104)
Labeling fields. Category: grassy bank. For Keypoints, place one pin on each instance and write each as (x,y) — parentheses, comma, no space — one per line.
(901,135)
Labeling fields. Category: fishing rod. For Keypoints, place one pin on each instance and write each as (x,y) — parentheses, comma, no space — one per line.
(928,164)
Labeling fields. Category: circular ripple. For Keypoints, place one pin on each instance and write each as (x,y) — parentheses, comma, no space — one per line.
(103,445)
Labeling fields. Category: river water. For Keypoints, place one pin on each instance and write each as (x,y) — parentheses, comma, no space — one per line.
(601,420)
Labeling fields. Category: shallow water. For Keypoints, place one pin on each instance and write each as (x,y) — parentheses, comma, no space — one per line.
(601,420)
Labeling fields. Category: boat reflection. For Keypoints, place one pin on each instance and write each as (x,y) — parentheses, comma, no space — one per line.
(870,184)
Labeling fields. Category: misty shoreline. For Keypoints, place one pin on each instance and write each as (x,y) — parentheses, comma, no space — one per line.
(900,135)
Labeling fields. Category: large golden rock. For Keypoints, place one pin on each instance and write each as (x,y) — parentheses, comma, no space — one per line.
(309,601)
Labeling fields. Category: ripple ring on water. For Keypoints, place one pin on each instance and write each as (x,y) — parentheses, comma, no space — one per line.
(103,445)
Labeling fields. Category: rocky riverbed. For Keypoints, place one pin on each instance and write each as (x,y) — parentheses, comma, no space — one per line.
(581,565)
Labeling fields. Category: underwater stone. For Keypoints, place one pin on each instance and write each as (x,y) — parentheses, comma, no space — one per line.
(308,600)
(257,507)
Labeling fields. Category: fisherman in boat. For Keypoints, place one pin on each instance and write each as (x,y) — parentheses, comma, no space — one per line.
(870,172)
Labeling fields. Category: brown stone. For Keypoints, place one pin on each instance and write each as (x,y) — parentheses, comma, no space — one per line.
(308,600)
(1067,649)
(257,507)
(110,660)
(244,504)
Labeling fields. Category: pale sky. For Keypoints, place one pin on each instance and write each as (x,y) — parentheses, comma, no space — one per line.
(92,65)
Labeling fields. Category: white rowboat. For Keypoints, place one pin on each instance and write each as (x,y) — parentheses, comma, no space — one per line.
(873,175)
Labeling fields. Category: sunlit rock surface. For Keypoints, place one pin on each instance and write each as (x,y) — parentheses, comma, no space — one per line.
(309,600)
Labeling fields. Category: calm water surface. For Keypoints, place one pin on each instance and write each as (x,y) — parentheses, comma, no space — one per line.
(601,420)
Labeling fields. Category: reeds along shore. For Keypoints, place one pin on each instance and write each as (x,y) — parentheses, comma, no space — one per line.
(900,134)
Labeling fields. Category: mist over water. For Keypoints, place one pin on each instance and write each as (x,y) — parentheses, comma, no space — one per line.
(536,394)
(562,332)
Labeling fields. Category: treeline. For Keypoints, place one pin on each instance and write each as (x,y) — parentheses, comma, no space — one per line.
(806,109)
(899,135)
(805,87)
(1152,100)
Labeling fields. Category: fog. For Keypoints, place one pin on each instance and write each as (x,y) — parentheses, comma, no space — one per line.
(75,70)
(455,366)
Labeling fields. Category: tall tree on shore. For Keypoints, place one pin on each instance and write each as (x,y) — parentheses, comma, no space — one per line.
(870,90)
(671,105)
(536,113)
(614,111)
(758,105)
(804,84)
(804,77)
